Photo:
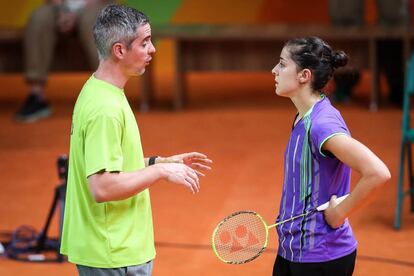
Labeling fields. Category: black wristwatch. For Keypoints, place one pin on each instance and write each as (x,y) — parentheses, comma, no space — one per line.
(151,160)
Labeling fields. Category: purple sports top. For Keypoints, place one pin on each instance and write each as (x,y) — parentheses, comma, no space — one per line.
(311,177)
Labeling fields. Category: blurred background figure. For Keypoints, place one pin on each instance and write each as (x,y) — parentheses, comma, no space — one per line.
(346,13)
(46,25)
(391,13)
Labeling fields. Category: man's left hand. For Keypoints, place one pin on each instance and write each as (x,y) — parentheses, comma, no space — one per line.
(194,160)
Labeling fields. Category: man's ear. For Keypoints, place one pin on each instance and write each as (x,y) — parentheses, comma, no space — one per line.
(118,50)
(305,76)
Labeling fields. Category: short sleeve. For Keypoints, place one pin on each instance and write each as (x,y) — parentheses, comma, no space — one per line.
(326,128)
(103,151)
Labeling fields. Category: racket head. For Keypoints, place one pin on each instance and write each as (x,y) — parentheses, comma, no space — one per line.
(240,237)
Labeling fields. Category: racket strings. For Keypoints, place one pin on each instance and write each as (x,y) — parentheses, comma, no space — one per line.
(240,237)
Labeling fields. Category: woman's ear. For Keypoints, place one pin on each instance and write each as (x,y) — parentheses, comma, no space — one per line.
(304,76)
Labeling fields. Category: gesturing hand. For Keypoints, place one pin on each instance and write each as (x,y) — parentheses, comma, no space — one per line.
(194,160)
(181,174)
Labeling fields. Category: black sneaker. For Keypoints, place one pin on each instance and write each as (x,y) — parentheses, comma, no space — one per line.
(33,109)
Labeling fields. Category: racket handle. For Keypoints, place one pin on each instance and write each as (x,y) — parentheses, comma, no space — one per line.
(326,204)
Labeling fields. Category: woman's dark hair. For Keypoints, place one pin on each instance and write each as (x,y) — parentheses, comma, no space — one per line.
(316,55)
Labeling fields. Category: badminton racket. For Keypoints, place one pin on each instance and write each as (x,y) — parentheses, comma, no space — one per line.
(242,236)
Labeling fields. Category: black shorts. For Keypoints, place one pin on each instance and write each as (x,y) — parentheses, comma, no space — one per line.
(343,266)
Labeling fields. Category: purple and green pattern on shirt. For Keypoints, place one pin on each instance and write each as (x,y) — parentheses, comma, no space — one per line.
(311,177)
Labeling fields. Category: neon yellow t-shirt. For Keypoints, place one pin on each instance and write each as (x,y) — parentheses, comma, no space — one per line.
(105,136)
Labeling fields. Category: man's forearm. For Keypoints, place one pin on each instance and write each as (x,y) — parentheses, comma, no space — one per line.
(112,186)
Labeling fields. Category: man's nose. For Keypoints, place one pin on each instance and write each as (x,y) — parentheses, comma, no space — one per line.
(152,49)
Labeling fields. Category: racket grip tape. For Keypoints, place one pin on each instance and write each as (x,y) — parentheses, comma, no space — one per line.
(326,204)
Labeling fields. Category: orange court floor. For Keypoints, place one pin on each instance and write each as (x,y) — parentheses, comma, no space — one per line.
(240,123)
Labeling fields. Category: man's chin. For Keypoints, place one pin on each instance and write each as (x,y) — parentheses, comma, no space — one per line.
(140,72)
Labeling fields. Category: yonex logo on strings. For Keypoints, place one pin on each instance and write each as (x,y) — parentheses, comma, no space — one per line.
(240,239)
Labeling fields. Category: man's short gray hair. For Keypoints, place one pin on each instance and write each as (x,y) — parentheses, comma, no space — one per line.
(116,23)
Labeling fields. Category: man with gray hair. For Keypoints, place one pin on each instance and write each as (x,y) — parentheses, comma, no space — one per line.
(108,227)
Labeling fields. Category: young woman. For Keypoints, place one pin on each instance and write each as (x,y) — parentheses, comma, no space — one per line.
(318,161)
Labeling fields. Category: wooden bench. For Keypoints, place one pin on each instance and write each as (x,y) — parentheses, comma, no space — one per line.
(10,49)
(69,55)
(257,48)
(224,48)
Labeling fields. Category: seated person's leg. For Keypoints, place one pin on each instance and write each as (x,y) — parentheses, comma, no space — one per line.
(344,14)
(39,42)
(390,59)
(345,80)
(87,20)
